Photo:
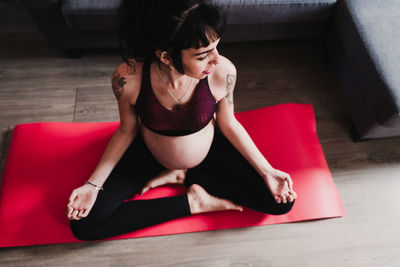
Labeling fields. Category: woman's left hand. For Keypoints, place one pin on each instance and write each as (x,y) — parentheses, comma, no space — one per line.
(281,186)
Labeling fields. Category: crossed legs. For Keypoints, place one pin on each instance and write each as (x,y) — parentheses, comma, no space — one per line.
(224,180)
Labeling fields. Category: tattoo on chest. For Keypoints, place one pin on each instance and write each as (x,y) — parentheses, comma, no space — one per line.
(118,83)
(230,82)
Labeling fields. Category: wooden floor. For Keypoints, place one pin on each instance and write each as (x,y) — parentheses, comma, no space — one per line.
(38,84)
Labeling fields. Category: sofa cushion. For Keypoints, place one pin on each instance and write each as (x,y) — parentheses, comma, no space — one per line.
(370,67)
(99,15)
(90,15)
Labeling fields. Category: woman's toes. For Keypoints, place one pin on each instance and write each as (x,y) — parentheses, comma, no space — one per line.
(284,199)
(145,189)
(228,205)
(233,206)
(277,199)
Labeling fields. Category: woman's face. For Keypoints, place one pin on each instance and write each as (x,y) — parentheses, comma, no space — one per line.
(198,63)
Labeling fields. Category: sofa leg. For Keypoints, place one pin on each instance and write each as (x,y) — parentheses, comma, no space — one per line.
(355,136)
(73,53)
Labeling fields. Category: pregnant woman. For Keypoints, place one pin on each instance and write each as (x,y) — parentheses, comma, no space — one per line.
(177,126)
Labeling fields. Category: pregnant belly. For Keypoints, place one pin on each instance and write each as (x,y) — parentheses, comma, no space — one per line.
(179,152)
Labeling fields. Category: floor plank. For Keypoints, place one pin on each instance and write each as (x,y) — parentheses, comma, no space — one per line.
(36,104)
(95,104)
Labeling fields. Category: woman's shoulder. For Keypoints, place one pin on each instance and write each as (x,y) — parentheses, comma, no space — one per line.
(225,64)
(224,68)
(222,76)
(126,80)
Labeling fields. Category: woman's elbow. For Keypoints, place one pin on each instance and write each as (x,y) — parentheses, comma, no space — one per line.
(130,130)
(227,125)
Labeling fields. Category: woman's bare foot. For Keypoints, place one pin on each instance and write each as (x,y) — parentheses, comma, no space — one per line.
(165,177)
(200,201)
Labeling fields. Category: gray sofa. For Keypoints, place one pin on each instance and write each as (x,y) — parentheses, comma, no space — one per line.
(73,25)
(363,43)
(360,39)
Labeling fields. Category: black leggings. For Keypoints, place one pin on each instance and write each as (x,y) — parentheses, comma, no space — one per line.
(224,173)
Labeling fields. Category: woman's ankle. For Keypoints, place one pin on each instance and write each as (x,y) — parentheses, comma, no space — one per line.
(200,201)
(180,176)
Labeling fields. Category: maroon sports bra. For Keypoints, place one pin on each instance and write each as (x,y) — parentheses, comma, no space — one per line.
(191,118)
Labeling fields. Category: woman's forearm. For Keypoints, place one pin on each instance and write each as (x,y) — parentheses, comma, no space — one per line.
(116,147)
(241,140)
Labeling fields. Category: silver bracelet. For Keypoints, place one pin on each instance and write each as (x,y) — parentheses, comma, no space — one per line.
(95,186)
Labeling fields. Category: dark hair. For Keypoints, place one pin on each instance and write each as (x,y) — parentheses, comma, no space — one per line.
(144,26)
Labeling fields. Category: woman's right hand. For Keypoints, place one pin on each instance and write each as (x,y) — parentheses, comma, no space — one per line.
(81,202)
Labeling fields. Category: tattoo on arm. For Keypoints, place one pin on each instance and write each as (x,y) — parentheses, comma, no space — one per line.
(131,69)
(230,82)
(118,83)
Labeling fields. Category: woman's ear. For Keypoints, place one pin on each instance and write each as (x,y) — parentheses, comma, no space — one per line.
(163,57)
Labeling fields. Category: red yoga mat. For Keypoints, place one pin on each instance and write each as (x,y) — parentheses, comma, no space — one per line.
(47,160)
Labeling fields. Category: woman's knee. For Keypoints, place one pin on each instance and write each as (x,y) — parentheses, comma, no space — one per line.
(277,208)
(84,230)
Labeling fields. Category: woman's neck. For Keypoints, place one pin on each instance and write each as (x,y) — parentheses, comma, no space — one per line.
(173,79)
